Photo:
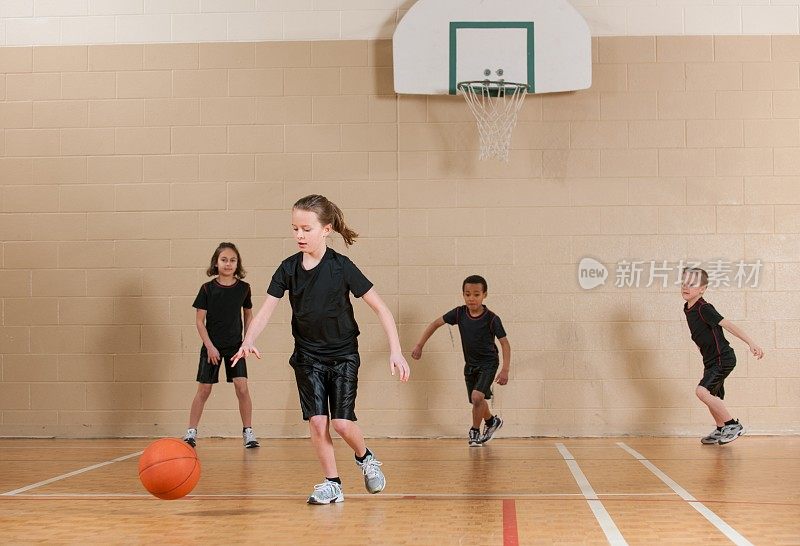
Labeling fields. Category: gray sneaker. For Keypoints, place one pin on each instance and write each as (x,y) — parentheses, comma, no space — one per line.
(374,480)
(489,431)
(712,438)
(249,438)
(191,437)
(474,438)
(730,433)
(326,493)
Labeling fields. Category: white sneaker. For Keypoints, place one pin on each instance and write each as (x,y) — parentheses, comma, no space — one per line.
(326,493)
(712,438)
(191,437)
(374,480)
(730,433)
(249,438)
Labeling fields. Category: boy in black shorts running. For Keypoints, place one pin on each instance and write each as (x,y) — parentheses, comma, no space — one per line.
(705,325)
(478,328)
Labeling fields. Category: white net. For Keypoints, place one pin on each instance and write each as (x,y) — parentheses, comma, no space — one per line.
(495,105)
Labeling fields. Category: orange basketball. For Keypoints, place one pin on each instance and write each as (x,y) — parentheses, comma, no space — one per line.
(169,468)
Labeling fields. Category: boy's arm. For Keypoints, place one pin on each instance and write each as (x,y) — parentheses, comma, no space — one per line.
(200,322)
(255,326)
(396,359)
(757,351)
(416,353)
(502,377)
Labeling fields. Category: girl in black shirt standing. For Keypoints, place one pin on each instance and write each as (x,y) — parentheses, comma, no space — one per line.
(325,358)
(220,304)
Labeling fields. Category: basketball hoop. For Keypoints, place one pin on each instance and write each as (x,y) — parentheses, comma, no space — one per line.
(495,105)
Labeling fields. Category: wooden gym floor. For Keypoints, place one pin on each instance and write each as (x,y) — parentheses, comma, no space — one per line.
(512,491)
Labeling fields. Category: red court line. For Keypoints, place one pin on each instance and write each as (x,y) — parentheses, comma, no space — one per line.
(510,534)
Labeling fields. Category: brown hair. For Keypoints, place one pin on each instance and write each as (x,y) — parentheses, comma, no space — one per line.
(212,270)
(694,270)
(327,213)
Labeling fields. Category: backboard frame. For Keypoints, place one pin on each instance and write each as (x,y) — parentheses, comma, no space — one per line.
(528,26)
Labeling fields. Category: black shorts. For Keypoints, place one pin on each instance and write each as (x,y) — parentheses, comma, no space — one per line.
(479,377)
(715,373)
(326,386)
(209,373)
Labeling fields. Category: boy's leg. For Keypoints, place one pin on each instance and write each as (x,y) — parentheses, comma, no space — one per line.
(480,409)
(715,405)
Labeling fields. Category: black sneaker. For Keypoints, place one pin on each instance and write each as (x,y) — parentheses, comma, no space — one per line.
(474,437)
(489,431)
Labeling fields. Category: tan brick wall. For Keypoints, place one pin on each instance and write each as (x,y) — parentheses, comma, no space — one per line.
(122,167)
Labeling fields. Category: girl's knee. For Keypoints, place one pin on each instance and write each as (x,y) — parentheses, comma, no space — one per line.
(204,390)
(341,426)
(241,388)
(318,424)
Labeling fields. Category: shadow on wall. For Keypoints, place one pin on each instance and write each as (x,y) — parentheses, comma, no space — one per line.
(134,342)
(638,398)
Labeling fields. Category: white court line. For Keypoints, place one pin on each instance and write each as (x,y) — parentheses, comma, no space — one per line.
(602,516)
(68,475)
(714,519)
(349,495)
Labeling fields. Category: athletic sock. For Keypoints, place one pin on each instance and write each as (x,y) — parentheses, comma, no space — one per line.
(334,480)
(364,458)
(489,421)
(475,428)
(731,422)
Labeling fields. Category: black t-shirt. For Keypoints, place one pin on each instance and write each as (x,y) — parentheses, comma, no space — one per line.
(322,316)
(223,305)
(477,334)
(706,332)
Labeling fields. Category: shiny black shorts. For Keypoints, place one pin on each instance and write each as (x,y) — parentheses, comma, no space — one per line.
(715,373)
(326,386)
(480,378)
(209,373)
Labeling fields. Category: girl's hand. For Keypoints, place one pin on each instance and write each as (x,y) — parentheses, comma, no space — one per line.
(244,350)
(397,362)
(213,355)
(502,377)
(416,352)
(757,351)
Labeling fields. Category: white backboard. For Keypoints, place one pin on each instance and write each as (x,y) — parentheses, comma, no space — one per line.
(544,43)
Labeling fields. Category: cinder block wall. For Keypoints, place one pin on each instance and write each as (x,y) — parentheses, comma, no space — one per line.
(122,167)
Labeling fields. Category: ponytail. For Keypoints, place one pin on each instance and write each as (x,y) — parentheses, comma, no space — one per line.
(327,213)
